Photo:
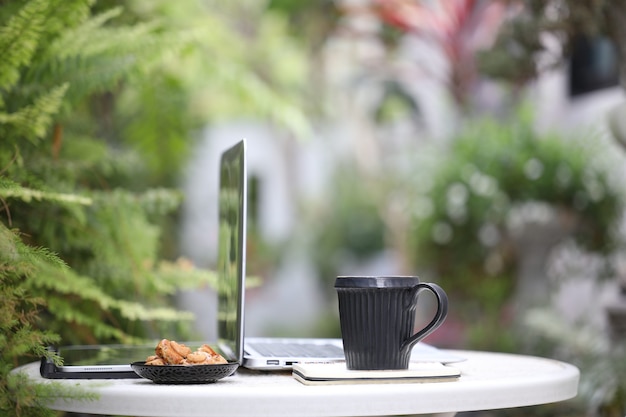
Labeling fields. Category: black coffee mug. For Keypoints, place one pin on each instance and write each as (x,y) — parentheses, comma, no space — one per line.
(377,317)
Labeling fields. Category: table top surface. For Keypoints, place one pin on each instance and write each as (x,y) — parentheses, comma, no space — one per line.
(488,381)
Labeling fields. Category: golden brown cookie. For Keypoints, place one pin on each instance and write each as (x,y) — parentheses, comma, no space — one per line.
(170,352)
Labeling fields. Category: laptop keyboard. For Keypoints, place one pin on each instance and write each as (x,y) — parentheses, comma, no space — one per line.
(302,350)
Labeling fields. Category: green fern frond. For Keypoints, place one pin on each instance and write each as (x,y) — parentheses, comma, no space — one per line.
(66,283)
(39,254)
(98,321)
(261,98)
(34,397)
(66,314)
(136,311)
(33,121)
(24,338)
(18,336)
(7,184)
(160,201)
(10,189)
(69,297)
(78,40)
(19,260)
(19,40)
(92,38)
(95,58)
(182,274)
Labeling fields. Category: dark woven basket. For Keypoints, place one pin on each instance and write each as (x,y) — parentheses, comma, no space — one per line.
(180,374)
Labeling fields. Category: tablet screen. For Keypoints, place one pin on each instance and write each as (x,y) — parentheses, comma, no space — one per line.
(104,354)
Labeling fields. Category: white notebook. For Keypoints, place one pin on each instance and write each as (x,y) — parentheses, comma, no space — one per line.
(337,373)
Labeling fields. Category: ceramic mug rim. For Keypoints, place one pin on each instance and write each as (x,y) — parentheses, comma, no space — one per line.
(376,281)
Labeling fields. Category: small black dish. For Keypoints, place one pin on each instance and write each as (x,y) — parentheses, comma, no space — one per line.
(181,374)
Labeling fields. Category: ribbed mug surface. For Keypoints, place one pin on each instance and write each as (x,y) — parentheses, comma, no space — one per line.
(377,317)
(375,327)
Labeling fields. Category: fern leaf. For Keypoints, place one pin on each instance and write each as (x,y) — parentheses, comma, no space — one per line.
(38,395)
(65,282)
(94,57)
(19,39)
(136,311)
(160,200)
(75,41)
(92,38)
(10,189)
(33,121)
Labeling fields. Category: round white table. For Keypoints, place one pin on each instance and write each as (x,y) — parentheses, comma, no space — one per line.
(488,381)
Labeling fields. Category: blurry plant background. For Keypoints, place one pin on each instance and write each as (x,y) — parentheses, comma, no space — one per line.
(516,222)
(436,167)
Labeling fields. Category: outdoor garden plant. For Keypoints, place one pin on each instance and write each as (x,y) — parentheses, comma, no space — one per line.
(62,193)
(491,180)
(96,120)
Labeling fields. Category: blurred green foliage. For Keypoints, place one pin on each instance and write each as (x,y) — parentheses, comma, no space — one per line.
(351,229)
(462,224)
(236,63)
(100,105)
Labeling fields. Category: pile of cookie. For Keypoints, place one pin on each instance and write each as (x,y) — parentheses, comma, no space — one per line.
(169,352)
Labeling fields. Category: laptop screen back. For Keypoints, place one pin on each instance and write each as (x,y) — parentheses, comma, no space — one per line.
(231,250)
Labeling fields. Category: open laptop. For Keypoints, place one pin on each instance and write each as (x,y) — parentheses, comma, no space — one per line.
(257,353)
(263,353)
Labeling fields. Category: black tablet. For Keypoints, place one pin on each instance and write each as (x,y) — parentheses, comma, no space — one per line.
(95,361)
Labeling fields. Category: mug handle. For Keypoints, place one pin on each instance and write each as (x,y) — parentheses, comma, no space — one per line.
(440,315)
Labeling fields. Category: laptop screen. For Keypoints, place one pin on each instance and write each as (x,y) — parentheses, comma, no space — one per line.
(231,250)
